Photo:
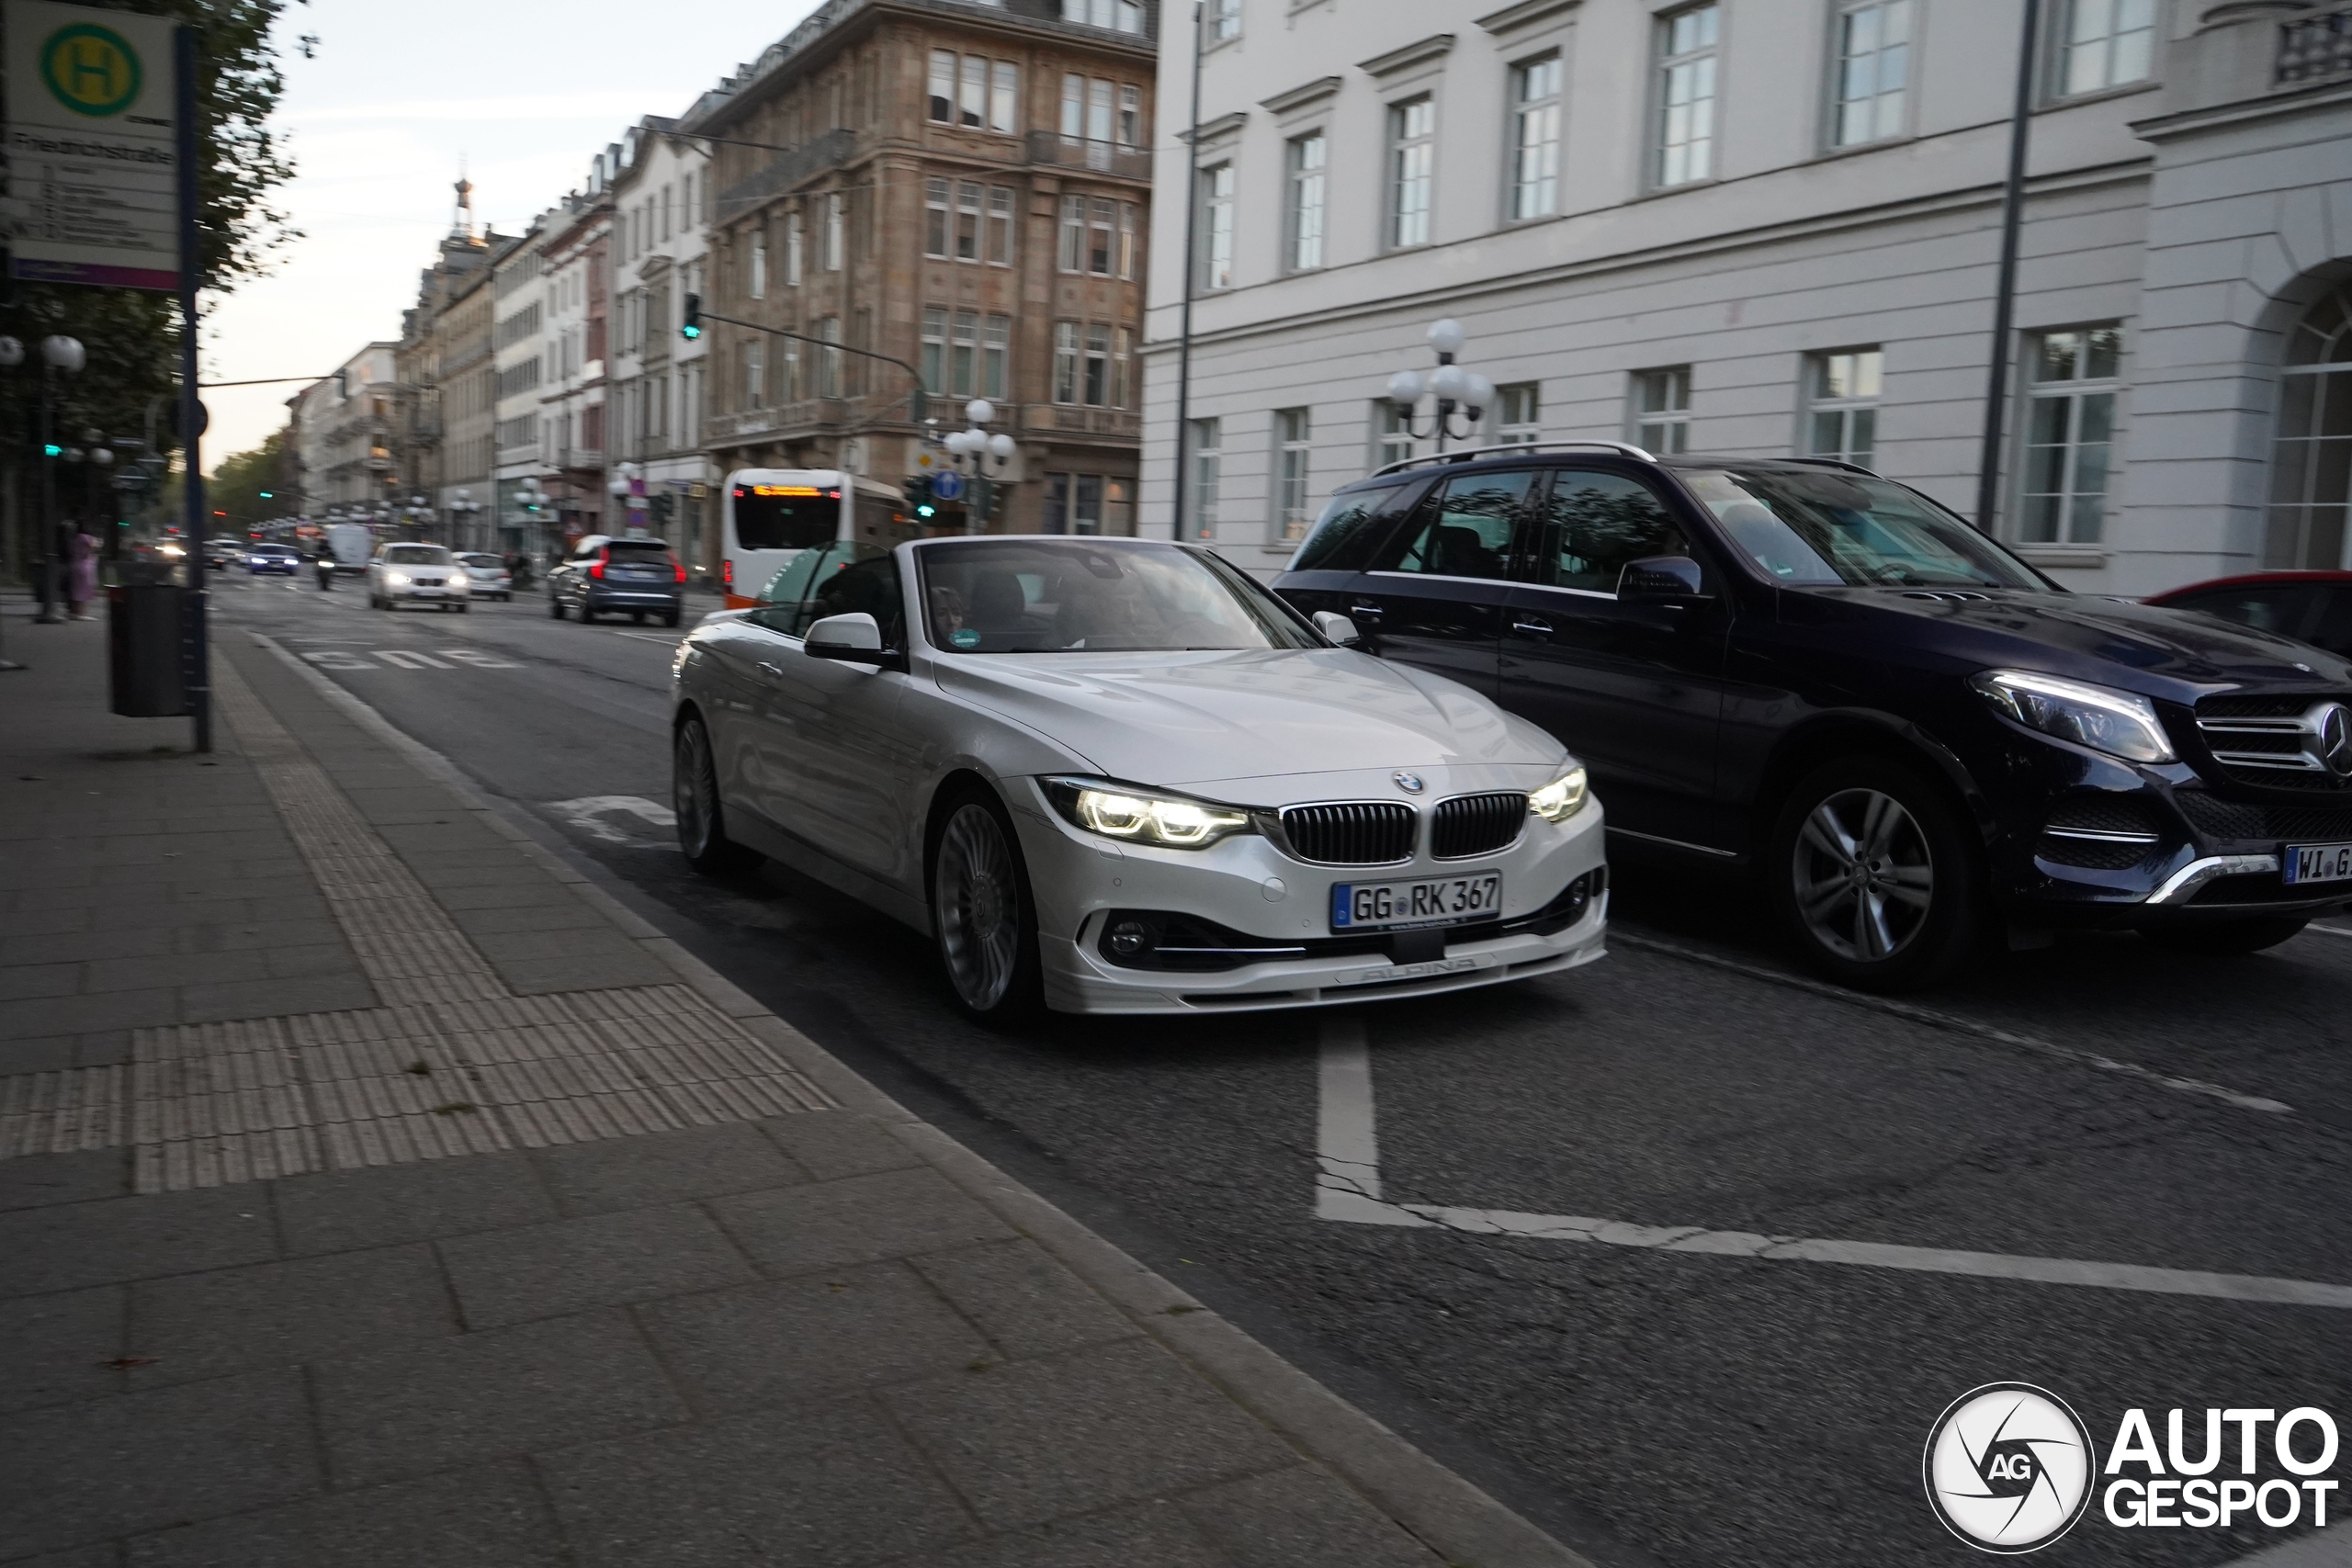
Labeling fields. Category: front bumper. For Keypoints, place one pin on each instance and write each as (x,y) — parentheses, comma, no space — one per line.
(425,595)
(1248,888)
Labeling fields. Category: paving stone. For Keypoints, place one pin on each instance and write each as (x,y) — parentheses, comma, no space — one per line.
(488,1515)
(598,961)
(833,1486)
(198,1326)
(178,969)
(76,1473)
(278,997)
(531,917)
(22,982)
(105,1556)
(1031,1440)
(79,1015)
(518,894)
(861,1219)
(797,1341)
(225,936)
(64,1246)
(49,1054)
(1024,1300)
(839,1143)
(52,1348)
(1154,1533)
(390,1204)
(102,1048)
(32,1182)
(417,1409)
(1301,1517)
(512,1276)
(663,1167)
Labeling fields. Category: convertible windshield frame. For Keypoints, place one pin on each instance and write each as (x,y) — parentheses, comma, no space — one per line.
(1826,529)
(1083,595)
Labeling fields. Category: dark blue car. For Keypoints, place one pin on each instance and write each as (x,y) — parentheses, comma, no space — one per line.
(280,559)
(1914,738)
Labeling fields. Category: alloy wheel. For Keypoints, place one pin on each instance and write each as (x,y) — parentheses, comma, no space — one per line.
(1863,875)
(695,790)
(978,908)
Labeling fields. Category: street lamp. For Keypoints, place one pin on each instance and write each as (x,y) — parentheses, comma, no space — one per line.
(463,510)
(986,457)
(626,485)
(1450,384)
(59,355)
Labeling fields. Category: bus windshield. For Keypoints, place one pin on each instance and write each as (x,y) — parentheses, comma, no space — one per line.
(785,517)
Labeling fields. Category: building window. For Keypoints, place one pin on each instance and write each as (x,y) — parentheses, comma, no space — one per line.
(1412,162)
(974,103)
(1004,97)
(755,373)
(792,250)
(1130,128)
(1686,140)
(999,233)
(1073,235)
(1065,362)
(943,86)
(1662,409)
(828,359)
(1519,415)
(1097,388)
(1303,224)
(1206,444)
(937,222)
(1074,108)
(1843,420)
(2070,435)
(1392,435)
(1535,137)
(2312,480)
(1119,15)
(2105,43)
(759,284)
(934,351)
(1217,227)
(967,221)
(1130,238)
(1224,20)
(1873,71)
(1122,360)
(1101,248)
(996,353)
(1293,447)
(833,248)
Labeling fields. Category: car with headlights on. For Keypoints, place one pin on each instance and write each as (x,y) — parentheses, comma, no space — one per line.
(416,574)
(1912,738)
(1120,776)
(282,560)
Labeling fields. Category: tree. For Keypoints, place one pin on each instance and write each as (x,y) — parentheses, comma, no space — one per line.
(236,486)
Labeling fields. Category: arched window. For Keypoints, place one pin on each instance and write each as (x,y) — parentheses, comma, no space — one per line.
(2311,481)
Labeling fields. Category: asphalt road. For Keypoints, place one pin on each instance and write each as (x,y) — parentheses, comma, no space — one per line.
(2102,1101)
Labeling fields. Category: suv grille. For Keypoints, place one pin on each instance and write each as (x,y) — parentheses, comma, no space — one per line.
(2098,833)
(2236,819)
(1476,824)
(1360,833)
(2272,741)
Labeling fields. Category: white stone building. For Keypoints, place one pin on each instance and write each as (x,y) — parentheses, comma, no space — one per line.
(1765,227)
(343,437)
(574,400)
(661,200)
(518,354)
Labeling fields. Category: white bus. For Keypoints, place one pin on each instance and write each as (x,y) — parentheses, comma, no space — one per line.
(773,515)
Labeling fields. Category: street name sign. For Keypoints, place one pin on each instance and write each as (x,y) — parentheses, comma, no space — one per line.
(93,168)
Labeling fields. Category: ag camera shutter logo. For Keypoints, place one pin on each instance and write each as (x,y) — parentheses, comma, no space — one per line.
(2009,1467)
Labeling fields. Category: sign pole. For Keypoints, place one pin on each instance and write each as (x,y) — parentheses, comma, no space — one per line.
(196,651)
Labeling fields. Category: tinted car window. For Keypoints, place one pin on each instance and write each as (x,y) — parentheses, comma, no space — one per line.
(1816,527)
(806,589)
(2282,607)
(653,549)
(1344,537)
(2334,632)
(1466,531)
(1594,524)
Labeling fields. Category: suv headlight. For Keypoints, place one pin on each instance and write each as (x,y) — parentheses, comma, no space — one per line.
(1169,821)
(1560,799)
(2122,724)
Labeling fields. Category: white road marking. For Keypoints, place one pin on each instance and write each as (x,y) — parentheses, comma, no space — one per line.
(338,659)
(1959,1025)
(410,658)
(1347,1189)
(477,658)
(649,637)
(588,812)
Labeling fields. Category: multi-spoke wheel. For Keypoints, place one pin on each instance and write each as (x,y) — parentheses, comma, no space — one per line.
(981,914)
(702,820)
(1873,877)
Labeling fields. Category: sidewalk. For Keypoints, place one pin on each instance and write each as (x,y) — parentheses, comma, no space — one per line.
(374,1191)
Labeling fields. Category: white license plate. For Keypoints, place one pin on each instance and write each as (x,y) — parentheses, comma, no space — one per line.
(2318,862)
(1382,906)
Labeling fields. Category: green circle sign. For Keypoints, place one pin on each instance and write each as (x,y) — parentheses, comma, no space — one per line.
(91,70)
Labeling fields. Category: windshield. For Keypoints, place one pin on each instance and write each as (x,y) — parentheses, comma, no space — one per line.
(1057,596)
(1828,527)
(476,558)
(785,517)
(417,555)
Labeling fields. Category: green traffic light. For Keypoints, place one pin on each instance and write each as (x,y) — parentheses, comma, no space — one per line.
(52,450)
(925,511)
(265,496)
(690,332)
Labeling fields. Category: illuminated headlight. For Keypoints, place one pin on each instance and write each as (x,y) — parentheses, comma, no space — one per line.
(396,579)
(1560,799)
(1169,821)
(2122,724)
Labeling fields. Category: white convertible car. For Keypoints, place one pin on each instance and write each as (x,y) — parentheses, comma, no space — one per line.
(1115,776)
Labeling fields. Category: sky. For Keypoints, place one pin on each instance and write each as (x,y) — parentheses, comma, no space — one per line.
(519,94)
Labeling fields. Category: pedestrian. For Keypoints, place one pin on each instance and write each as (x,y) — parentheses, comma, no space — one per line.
(82,577)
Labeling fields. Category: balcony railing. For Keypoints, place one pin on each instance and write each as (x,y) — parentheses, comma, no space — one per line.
(1070,419)
(1078,152)
(2315,48)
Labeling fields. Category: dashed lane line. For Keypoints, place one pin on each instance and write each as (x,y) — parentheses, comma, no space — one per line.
(1347,1190)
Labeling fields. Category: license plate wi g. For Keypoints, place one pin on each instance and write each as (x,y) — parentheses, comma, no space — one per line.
(1440,901)
(2317,862)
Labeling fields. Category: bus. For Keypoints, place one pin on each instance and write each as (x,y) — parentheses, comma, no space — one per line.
(773,515)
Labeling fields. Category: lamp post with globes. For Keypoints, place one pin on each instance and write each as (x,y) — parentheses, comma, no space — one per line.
(463,511)
(984,458)
(1452,386)
(60,355)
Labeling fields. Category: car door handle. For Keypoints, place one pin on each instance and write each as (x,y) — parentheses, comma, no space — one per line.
(1531,626)
(776,670)
(1370,610)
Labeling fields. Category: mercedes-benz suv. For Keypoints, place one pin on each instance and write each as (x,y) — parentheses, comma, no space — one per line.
(1805,669)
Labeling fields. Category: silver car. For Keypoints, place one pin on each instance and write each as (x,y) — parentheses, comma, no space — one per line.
(416,574)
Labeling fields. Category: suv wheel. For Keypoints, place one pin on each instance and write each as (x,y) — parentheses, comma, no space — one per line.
(982,917)
(1872,876)
(2230,937)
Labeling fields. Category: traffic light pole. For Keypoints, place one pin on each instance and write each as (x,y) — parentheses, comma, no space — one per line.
(196,653)
(916,405)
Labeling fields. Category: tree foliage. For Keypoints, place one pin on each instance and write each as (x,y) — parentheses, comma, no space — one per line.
(236,486)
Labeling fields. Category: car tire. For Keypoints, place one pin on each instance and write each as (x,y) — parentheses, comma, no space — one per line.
(1875,878)
(587,615)
(461,609)
(637,617)
(983,918)
(555,608)
(702,815)
(670,619)
(2230,937)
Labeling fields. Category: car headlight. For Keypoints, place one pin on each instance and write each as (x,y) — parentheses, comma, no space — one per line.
(396,579)
(1560,799)
(1169,821)
(2122,724)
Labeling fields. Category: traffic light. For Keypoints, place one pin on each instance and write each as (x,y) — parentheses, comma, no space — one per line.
(917,491)
(52,450)
(265,496)
(692,329)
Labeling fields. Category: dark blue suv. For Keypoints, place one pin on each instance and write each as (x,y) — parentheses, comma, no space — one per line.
(1914,736)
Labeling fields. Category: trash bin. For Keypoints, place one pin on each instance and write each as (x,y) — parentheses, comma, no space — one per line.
(143,622)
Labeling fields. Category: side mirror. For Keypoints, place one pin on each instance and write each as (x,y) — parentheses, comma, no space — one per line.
(1338,628)
(1657,578)
(854,638)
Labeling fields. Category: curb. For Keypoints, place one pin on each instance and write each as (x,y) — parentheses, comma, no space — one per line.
(1462,1523)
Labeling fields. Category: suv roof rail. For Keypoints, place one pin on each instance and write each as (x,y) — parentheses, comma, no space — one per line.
(1833,463)
(1467,454)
